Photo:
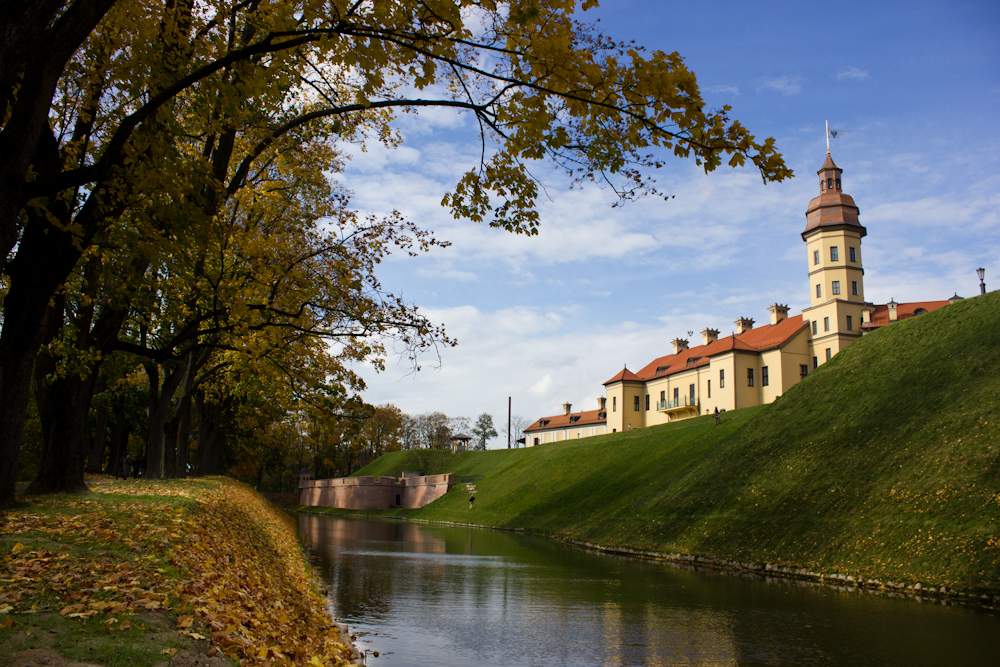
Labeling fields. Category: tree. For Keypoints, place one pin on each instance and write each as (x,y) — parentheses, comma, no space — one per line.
(483,430)
(517,426)
(112,108)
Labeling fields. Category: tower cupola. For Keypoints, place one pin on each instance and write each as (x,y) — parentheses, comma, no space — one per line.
(831,209)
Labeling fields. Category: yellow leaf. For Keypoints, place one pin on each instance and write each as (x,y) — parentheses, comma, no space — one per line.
(184,622)
(17,548)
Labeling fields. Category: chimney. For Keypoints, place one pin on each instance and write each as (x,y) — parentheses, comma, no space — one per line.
(743,325)
(779,311)
(710,335)
(680,344)
(892,310)
(567,407)
(602,403)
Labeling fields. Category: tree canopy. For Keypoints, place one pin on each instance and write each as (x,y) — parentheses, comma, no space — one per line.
(166,211)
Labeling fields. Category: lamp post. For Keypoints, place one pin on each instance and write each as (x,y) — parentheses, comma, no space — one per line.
(981,272)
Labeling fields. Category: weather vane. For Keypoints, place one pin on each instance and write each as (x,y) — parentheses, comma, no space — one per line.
(829,134)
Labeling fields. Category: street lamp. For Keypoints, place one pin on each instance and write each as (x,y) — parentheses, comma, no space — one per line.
(981,272)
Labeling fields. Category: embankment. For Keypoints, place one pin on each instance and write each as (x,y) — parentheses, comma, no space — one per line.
(883,465)
(190,571)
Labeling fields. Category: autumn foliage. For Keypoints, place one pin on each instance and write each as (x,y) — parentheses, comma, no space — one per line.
(213,555)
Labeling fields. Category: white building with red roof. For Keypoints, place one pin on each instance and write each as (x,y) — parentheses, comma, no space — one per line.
(753,365)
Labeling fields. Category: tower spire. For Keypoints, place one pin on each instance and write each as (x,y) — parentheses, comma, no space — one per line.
(827,136)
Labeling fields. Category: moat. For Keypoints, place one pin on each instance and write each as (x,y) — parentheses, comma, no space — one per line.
(430,595)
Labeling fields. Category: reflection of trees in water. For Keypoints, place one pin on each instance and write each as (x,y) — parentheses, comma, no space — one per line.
(469,596)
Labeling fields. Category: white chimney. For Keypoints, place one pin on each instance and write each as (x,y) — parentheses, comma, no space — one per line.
(743,325)
(680,344)
(709,335)
(567,407)
(779,312)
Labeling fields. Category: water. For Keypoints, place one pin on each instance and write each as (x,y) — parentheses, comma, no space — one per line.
(428,595)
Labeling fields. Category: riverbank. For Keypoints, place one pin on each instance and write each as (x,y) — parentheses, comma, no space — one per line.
(880,468)
(182,572)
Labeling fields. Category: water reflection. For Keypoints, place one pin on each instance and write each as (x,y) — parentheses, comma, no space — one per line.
(463,596)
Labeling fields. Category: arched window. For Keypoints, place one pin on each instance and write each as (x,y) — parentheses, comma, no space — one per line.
(829,183)
(919,311)
(838,183)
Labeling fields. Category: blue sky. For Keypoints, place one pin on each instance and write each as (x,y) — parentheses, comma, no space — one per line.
(915,90)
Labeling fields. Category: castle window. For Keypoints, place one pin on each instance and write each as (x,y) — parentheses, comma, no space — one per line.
(647,402)
(635,403)
(614,404)
(763,376)
(819,290)
(850,323)
(836,287)
(814,327)
(815,257)
(749,377)
(834,253)
(829,183)
(536,441)
(919,311)
(803,370)
(854,287)
(826,324)
(691,400)
(853,253)
(829,354)
(710,389)
(677,395)
(838,183)
(722,378)
(663,397)
(815,361)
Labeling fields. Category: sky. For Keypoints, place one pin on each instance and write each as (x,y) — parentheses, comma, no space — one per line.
(913,87)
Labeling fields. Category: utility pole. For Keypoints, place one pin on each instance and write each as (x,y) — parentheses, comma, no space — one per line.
(508,422)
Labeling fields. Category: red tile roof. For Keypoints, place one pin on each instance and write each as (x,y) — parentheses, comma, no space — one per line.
(623,375)
(760,339)
(880,315)
(585,418)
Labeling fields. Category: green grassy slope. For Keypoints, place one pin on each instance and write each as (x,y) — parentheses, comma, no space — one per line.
(884,463)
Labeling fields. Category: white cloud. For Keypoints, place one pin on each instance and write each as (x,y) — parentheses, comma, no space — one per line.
(852,74)
(785,85)
(723,89)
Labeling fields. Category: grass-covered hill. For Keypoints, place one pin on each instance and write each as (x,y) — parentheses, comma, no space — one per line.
(884,463)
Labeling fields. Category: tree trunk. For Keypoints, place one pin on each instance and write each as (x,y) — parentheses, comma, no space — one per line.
(160,404)
(210,443)
(98,442)
(119,448)
(63,404)
(170,447)
(183,435)
(46,255)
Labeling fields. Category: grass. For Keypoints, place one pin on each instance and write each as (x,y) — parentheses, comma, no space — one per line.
(138,573)
(884,463)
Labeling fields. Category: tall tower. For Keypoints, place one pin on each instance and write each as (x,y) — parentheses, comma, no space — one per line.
(836,276)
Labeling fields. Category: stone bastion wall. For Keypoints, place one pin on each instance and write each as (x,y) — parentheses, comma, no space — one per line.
(374,492)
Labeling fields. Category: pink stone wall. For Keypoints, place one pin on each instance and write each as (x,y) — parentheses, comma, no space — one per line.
(420,491)
(372,493)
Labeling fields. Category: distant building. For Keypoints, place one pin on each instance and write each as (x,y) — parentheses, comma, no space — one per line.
(753,365)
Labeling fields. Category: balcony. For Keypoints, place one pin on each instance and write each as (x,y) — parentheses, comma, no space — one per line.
(681,404)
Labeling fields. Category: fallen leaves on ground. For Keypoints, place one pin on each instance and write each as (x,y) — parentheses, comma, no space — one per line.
(224,561)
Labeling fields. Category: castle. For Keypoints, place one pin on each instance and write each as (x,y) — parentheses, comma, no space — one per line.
(754,365)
